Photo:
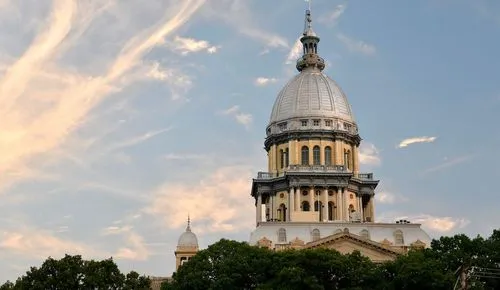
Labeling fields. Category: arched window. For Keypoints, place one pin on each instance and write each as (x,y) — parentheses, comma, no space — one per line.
(351,208)
(328,155)
(365,234)
(316,155)
(317,205)
(282,159)
(305,206)
(282,235)
(331,206)
(315,235)
(305,155)
(398,238)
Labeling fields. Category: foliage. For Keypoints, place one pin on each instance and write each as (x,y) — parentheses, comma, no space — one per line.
(233,265)
(72,272)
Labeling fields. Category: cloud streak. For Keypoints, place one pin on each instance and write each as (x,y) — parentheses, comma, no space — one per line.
(358,46)
(415,140)
(369,154)
(242,118)
(449,163)
(220,202)
(42,104)
(186,46)
(263,81)
(332,17)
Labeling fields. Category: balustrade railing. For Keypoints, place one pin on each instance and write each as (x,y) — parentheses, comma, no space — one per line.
(314,169)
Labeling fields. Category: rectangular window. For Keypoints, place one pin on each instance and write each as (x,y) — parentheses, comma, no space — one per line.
(328,123)
(304,123)
(316,122)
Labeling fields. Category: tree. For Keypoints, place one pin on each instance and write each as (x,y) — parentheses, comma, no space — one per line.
(234,265)
(72,272)
(223,265)
(419,269)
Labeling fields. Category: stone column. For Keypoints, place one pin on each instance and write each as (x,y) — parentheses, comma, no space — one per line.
(325,204)
(259,209)
(361,214)
(372,208)
(289,204)
(343,202)
(297,152)
(338,205)
(271,206)
(355,153)
(311,199)
(297,199)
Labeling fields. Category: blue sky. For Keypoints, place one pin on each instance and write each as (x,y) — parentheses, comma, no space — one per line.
(120,117)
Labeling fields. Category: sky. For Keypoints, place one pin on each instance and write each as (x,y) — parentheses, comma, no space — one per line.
(120,117)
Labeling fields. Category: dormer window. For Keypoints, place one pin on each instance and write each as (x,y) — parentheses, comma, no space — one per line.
(316,122)
(282,126)
(304,123)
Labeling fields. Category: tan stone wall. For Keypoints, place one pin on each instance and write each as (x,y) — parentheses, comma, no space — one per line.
(295,153)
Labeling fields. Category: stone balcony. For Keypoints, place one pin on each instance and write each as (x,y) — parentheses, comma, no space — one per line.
(313,169)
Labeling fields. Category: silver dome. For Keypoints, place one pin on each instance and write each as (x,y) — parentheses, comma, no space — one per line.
(311,94)
(188,239)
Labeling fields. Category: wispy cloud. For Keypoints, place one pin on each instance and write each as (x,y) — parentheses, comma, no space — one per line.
(239,16)
(137,139)
(58,99)
(263,81)
(40,244)
(136,248)
(357,45)
(386,197)
(177,156)
(242,118)
(226,188)
(416,140)
(295,52)
(369,154)
(433,224)
(190,45)
(332,17)
(179,83)
(438,224)
(449,163)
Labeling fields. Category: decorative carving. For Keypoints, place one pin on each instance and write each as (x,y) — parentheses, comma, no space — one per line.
(297,243)
(418,244)
(386,243)
(265,243)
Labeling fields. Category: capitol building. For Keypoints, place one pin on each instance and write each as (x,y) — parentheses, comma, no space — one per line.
(313,193)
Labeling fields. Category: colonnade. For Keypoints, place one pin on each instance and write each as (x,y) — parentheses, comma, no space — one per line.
(332,204)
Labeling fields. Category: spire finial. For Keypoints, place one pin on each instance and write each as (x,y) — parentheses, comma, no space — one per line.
(308,20)
(309,39)
(188,228)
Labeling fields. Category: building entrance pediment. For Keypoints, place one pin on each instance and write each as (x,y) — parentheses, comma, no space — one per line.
(346,243)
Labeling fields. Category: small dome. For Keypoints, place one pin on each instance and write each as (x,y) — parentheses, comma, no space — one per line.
(311,94)
(188,239)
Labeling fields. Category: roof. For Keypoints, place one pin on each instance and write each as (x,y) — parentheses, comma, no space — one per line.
(311,94)
(188,239)
(378,232)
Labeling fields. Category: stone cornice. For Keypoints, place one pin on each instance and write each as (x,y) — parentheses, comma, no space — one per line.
(310,135)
